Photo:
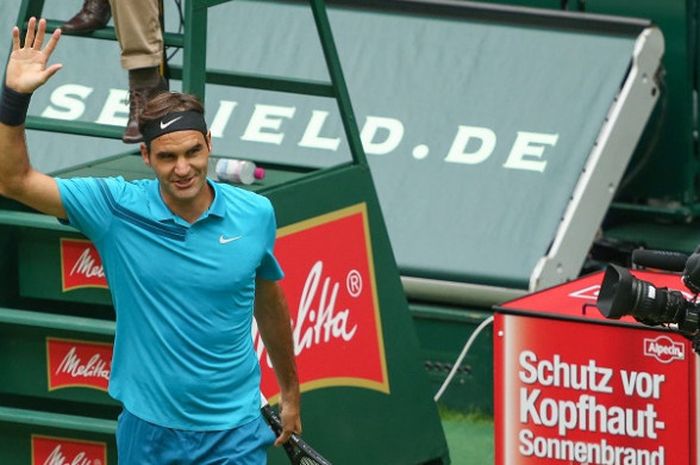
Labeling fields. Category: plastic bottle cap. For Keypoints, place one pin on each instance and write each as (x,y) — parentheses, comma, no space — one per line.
(259,173)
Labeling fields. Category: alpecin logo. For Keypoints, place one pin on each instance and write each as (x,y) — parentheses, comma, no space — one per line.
(48,450)
(72,363)
(331,289)
(81,265)
(664,349)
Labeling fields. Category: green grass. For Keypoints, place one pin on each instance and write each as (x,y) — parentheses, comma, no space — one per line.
(469,437)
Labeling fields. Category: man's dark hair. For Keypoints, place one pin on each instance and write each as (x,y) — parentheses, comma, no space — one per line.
(167,102)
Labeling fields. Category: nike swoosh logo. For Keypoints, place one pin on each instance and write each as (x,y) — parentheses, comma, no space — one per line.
(165,125)
(226,240)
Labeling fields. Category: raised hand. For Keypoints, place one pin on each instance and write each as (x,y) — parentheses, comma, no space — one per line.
(26,69)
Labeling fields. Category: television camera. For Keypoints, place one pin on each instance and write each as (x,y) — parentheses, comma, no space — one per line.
(622,294)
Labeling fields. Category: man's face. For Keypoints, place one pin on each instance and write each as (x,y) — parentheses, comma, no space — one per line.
(179,160)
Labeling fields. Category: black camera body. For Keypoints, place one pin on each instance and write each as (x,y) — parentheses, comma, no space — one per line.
(622,294)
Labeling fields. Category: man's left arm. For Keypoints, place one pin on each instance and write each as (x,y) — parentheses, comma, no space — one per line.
(274,325)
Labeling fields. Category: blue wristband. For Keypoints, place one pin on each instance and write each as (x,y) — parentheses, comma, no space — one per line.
(13,107)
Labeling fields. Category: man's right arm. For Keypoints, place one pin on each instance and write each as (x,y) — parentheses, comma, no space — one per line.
(19,181)
(26,71)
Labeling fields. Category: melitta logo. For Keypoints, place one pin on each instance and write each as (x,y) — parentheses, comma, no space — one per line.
(331,291)
(73,363)
(664,349)
(81,265)
(48,450)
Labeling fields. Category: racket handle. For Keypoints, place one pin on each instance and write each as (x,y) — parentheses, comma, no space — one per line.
(272,419)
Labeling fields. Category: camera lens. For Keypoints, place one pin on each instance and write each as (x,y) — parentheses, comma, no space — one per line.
(616,297)
(622,294)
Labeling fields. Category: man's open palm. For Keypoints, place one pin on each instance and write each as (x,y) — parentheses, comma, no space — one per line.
(27,69)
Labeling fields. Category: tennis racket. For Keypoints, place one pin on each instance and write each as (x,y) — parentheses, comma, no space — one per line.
(298,451)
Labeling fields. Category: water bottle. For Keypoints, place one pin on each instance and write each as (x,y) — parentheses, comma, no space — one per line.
(237,171)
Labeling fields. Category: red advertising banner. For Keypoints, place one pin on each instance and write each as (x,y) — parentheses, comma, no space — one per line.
(332,294)
(48,450)
(81,265)
(73,363)
(570,392)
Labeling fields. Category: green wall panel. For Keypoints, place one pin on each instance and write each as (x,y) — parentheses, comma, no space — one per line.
(17,428)
(442,333)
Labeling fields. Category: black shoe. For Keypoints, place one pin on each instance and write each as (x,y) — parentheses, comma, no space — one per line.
(93,15)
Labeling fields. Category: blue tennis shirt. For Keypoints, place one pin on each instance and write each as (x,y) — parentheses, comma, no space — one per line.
(183,295)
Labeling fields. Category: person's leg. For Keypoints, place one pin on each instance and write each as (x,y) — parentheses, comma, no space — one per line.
(142,443)
(244,445)
(93,15)
(139,33)
(137,26)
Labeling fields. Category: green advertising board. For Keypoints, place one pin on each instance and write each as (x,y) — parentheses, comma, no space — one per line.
(665,165)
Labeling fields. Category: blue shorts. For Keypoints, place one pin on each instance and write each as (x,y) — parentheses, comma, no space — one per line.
(142,443)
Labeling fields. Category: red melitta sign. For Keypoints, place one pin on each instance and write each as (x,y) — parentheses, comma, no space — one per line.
(570,392)
(48,450)
(331,290)
(72,363)
(81,265)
